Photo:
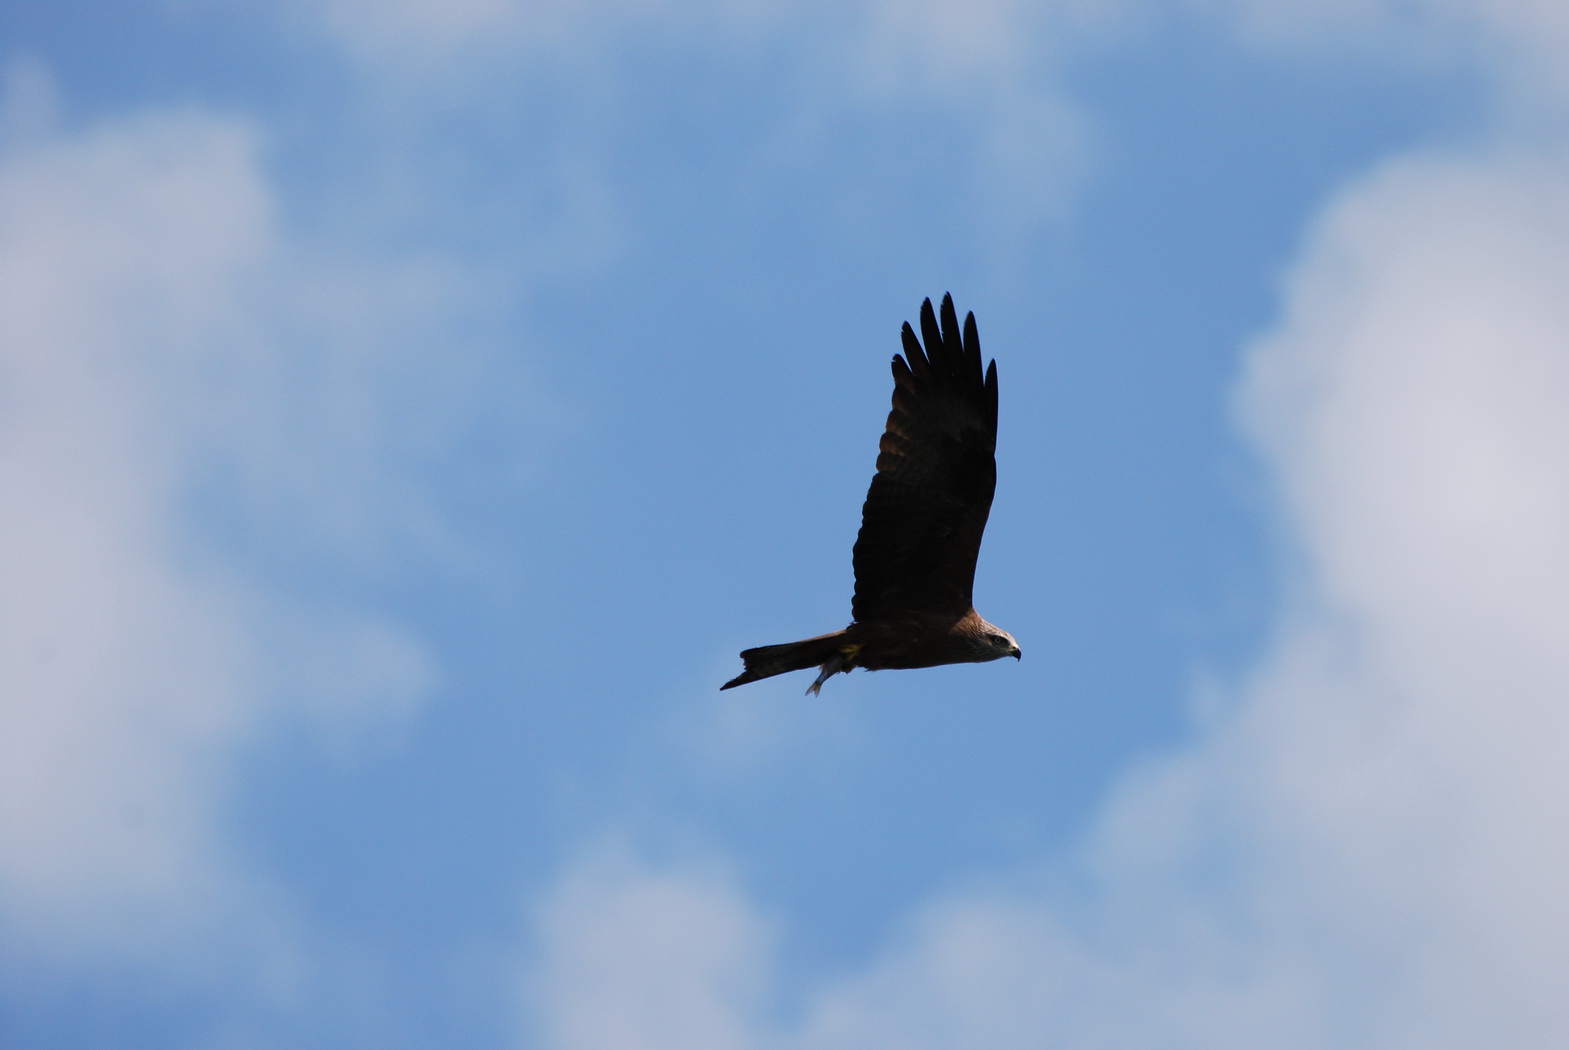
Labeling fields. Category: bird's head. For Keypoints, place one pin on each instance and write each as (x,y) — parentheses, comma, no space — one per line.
(997,643)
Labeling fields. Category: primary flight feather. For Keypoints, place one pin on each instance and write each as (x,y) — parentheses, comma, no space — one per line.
(922,521)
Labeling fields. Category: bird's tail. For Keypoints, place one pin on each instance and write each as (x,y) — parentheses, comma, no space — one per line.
(768,660)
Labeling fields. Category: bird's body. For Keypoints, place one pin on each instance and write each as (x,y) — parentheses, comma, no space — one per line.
(922,522)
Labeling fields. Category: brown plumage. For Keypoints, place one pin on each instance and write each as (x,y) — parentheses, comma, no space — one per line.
(922,522)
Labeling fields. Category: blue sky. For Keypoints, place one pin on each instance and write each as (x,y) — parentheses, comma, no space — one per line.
(408,410)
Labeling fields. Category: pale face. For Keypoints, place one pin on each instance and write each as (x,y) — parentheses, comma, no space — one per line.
(1000,643)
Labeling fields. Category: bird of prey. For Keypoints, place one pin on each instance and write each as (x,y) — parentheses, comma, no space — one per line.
(922,522)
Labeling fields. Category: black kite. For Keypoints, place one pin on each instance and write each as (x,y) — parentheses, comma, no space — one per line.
(922,522)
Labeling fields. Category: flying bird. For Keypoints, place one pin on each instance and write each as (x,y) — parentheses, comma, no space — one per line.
(921,524)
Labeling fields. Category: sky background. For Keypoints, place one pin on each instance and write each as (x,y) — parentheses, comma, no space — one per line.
(408,410)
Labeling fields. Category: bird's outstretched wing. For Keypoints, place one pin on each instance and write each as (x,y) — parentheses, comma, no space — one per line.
(925,512)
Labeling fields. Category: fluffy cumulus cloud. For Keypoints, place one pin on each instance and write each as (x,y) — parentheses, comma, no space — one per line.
(123,673)
(1415,405)
(135,656)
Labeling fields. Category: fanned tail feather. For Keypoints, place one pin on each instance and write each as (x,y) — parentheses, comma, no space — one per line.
(768,660)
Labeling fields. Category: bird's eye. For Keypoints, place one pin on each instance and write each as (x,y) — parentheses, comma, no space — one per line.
(998,639)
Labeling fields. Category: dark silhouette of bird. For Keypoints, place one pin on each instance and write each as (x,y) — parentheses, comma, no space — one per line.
(922,521)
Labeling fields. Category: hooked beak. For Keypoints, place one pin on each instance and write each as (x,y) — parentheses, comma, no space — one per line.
(1017,654)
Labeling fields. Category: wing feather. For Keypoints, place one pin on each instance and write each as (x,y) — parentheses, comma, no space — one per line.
(926,510)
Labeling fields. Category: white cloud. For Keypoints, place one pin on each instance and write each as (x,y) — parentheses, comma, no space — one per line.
(903,46)
(1522,42)
(984,74)
(124,675)
(1416,403)
(644,957)
(432,33)
(947,38)
(135,658)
